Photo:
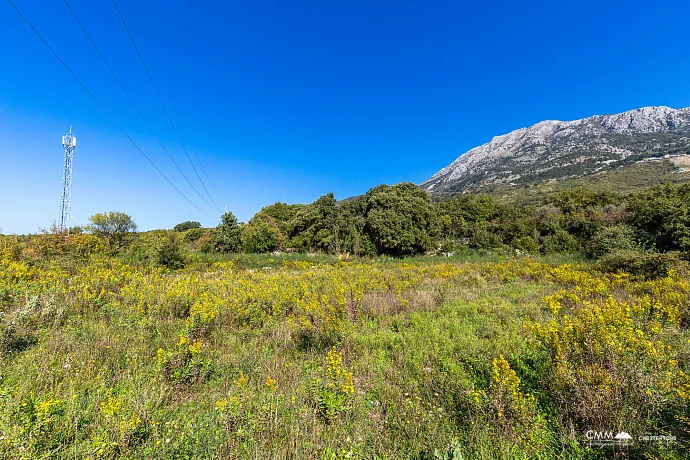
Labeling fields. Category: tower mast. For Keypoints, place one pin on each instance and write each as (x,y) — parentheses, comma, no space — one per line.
(69,142)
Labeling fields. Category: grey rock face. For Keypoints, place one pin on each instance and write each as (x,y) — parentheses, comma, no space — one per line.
(561,149)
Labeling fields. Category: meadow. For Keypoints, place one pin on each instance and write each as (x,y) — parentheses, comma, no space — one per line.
(292,356)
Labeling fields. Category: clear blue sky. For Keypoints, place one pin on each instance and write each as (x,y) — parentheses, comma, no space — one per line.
(286,101)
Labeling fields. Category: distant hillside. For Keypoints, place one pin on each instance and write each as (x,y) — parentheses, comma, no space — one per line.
(623,179)
(557,150)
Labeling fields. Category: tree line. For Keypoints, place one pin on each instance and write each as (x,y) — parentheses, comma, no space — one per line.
(402,220)
(395,220)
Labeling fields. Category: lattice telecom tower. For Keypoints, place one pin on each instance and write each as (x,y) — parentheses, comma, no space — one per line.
(69,142)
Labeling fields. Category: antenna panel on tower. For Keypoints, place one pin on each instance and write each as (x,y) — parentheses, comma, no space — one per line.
(69,141)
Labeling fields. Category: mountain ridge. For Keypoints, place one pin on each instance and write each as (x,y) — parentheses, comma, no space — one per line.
(554,149)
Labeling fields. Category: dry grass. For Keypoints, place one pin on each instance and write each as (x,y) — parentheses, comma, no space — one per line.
(682,160)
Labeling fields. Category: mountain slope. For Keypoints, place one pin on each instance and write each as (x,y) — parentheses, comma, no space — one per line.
(558,150)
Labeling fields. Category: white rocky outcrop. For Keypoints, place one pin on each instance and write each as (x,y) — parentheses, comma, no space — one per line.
(612,137)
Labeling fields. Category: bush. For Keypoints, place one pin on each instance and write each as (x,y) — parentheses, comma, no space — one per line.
(615,363)
(206,243)
(192,235)
(447,246)
(661,215)
(649,265)
(526,244)
(318,226)
(483,238)
(581,198)
(188,225)
(260,236)
(559,242)
(367,247)
(13,338)
(39,312)
(169,254)
(609,239)
(84,245)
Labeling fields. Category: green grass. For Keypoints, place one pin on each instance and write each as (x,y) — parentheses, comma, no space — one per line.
(410,369)
(413,363)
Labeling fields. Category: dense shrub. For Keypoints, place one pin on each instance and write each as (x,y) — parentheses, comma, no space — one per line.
(641,263)
(281,214)
(169,254)
(580,199)
(610,239)
(366,248)
(206,243)
(615,363)
(318,226)
(526,244)
(192,235)
(400,220)
(184,226)
(560,241)
(261,235)
(662,217)
(583,225)
(481,237)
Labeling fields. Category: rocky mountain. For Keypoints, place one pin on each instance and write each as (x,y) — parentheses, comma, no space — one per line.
(565,149)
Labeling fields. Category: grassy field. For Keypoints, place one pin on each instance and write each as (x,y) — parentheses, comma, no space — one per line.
(476,356)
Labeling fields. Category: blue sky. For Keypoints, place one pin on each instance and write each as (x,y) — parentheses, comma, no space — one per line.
(286,101)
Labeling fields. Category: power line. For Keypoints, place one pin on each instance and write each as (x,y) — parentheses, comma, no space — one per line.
(167,89)
(165,109)
(101,105)
(177,112)
(119,82)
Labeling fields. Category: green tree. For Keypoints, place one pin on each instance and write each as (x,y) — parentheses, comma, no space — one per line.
(194,234)
(228,235)
(319,226)
(662,217)
(400,219)
(188,225)
(354,238)
(610,239)
(280,214)
(114,226)
(559,242)
(582,198)
(481,221)
(261,235)
(169,253)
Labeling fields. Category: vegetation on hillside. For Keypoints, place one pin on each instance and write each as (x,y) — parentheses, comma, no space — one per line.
(105,356)
(625,179)
(194,343)
(401,220)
